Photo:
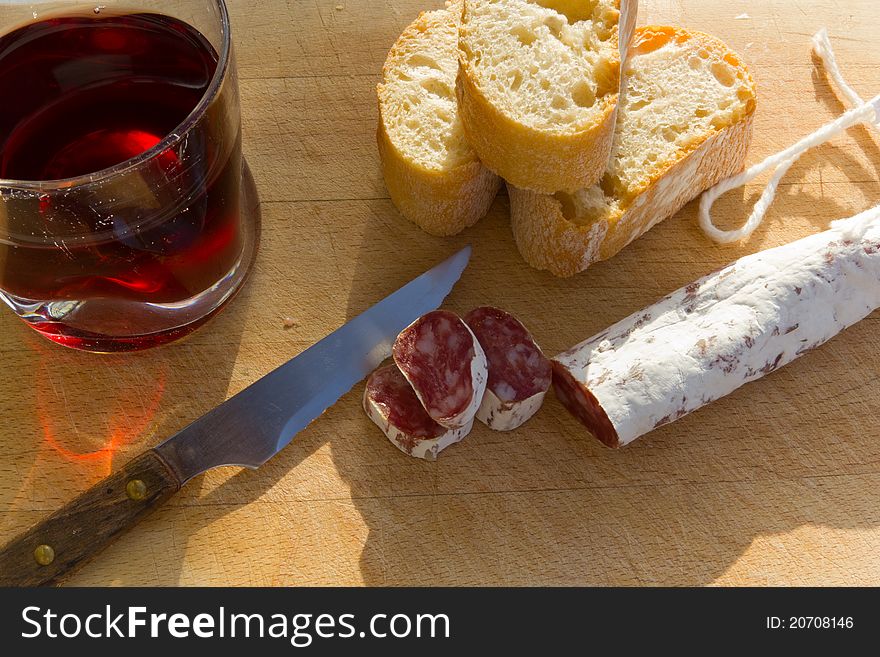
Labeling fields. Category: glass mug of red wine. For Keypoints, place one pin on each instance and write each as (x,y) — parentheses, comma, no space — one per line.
(123,219)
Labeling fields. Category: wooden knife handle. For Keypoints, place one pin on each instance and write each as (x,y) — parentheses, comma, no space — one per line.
(71,536)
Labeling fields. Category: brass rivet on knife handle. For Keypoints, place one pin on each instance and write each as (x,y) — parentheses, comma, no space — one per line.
(44,555)
(136,490)
(68,538)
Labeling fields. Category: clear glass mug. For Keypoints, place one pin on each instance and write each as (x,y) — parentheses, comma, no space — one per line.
(146,250)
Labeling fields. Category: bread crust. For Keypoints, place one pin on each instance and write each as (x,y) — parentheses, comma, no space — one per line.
(533,159)
(443,200)
(549,240)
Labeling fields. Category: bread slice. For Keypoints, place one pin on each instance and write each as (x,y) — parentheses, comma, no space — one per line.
(684,123)
(538,87)
(433,176)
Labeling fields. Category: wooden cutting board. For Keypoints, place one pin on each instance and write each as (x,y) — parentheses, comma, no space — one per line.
(777,484)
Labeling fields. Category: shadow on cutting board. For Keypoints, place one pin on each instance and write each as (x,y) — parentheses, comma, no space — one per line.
(545,504)
(862,134)
(548,505)
(75,417)
(82,416)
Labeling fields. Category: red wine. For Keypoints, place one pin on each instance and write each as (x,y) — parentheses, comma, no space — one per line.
(83,93)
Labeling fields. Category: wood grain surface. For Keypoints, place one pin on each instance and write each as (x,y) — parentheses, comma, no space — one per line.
(778,483)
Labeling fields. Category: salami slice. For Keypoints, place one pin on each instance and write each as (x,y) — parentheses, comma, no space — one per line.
(392,404)
(519,373)
(726,329)
(445,366)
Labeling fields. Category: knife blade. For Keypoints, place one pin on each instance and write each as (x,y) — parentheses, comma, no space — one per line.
(245,430)
(254,425)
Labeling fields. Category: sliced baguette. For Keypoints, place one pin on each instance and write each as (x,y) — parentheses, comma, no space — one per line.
(538,87)
(684,123)
(433,176)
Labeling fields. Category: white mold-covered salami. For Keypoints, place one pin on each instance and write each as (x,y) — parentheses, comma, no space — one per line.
(519,373)
(445,365)
(391,403)
(726,329)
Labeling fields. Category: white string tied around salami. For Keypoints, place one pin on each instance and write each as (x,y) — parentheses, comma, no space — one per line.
(863,112)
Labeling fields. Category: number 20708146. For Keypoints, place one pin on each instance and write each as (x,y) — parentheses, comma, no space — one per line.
(810,623)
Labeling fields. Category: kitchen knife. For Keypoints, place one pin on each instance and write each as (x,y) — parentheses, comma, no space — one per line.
(246,430)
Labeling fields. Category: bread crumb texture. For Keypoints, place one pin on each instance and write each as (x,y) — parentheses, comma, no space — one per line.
(546,64)
(684,122)
(417,94)
(681,88)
